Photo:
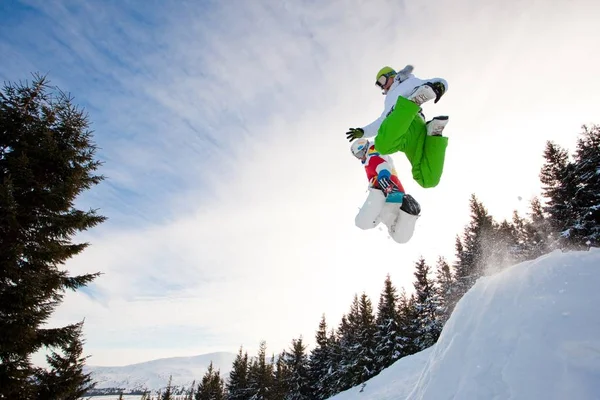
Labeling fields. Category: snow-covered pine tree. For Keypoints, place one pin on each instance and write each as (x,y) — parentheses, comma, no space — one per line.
(332,381)
(319,363)
(357,338)
(389,343)
(281,377)
(531,236)
(472,251)
(260,376)
(408,322)
(426,305)
(46,162)
(585,231)
(237,384)
(446,288)
(543,230)
(357,344)
(211,386)
(348,339)
(502,250)
(365,361)
(297,363)
(559,187)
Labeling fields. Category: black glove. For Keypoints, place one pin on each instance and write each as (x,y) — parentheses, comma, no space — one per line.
(355,133)
(439,88)
(386,185)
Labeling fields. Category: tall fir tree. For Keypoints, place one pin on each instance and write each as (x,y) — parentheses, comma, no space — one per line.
(237,385)
(260,375)
(334,378)
(542,228)
(473,251)
(211,386)
(585,231)
(321,362)
(426,305)
(558,188)
(389,343)
(297,363)
(47,159)
(366,362)
(281,377)
(347,338)
(357,342)
(408,322)
(66,379)
(446,289)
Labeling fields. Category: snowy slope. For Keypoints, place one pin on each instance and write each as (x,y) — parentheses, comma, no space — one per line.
(529,332)
(154,374)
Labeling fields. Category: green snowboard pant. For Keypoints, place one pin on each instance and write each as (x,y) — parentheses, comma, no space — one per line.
(403,130)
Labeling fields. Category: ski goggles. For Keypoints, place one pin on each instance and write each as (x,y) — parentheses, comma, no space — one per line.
(361,150)
(383,79)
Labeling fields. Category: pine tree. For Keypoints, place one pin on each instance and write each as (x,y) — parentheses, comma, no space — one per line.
(260,376)
(585,231)
(334,379)
(321,363)
(408,322)
(281,377)
(543,232)
(168,394)
(473,251)
(389,343)
(503,249)
(66,379)
(426,305)
(297,364)
(357,342)
(366,335)
(237,385)
(530,233)
(211,386)
(559,188)
(46,162)
(446,289)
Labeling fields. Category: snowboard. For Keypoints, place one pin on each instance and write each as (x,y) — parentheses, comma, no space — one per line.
(400,215)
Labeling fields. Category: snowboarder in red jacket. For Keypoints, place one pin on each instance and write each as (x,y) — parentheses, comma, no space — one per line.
(387,201)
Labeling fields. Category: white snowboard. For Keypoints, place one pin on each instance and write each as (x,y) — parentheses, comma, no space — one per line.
(375,210)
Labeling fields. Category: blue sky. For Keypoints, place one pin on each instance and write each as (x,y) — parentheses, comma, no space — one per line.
(230,189)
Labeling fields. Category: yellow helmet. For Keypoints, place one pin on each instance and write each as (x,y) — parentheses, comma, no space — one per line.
(385,71)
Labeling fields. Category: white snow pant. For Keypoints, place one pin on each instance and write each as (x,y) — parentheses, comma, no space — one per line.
(375,210)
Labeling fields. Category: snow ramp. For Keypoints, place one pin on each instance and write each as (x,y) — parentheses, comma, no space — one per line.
(529,332)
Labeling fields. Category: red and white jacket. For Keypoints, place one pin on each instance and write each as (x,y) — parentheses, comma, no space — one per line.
(378,166)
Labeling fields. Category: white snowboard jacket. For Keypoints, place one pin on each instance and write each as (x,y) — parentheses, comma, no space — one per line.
(399,88)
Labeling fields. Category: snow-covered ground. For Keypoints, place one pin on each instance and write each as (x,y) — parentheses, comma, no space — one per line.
(153,375)
(530,332)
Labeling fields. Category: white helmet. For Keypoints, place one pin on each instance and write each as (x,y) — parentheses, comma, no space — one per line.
(360,147)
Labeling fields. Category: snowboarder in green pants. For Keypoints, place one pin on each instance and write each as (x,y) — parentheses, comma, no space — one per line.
(402,127)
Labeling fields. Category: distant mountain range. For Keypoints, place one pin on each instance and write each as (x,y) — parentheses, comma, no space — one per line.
(154,375)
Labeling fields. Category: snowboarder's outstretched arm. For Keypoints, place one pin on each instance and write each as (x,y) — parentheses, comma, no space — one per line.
(371,129)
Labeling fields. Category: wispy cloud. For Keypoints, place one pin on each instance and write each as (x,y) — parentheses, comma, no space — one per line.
(231,193)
